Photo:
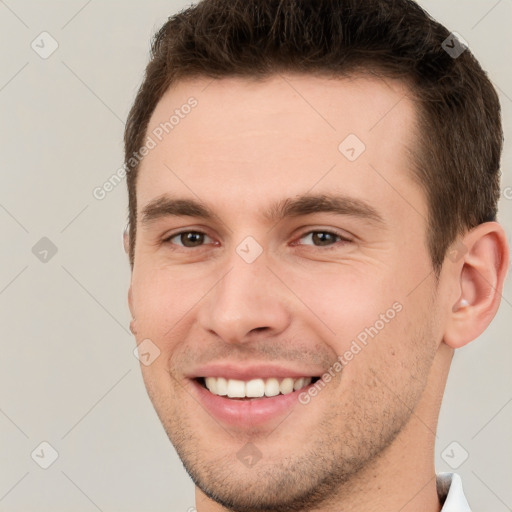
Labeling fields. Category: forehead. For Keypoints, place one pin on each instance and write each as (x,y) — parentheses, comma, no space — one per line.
(246,139)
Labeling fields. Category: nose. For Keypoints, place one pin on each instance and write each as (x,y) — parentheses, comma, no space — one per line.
(247,301)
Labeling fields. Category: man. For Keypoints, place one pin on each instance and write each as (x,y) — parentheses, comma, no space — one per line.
(313,191)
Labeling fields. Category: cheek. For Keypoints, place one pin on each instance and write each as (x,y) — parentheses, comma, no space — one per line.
(371,322)
(161,299)
(391,367)
(348,302)
(160,307)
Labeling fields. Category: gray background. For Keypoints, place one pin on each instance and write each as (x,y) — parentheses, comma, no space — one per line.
(67,372)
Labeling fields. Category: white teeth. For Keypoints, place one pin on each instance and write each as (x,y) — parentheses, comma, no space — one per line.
(272,387)
(286,386)
(222,386)
(211,384)
(254,388)
(218,386)
(299,383)
(236,388)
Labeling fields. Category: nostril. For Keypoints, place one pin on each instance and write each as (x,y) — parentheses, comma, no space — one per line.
(258,329)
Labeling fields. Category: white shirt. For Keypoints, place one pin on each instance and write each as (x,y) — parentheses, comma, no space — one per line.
(449,489)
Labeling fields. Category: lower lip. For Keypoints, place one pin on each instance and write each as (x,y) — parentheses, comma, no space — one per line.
(246,413)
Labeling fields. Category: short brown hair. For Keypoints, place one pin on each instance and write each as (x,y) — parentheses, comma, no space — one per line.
(458,152)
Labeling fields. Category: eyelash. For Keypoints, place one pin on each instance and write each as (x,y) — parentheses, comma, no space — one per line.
(342,239)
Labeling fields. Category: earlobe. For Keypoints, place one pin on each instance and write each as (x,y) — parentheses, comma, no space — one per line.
(480,274)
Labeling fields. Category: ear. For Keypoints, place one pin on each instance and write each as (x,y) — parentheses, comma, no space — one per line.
(126,245)
(126,239)
(133,322)
(130,301)
(479,264)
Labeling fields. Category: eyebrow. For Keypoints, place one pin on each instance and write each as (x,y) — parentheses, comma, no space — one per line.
(165,206)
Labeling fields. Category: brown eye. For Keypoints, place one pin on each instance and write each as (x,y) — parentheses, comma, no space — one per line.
(188,239)
(191,239)
(323,238)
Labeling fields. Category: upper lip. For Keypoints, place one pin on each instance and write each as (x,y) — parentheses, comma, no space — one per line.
(250,371)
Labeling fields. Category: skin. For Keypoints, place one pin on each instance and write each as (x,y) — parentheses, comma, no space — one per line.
(366,441)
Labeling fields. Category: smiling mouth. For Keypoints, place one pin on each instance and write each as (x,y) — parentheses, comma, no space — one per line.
(254,388)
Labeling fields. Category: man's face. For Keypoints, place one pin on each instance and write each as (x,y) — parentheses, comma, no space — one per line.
(249,294)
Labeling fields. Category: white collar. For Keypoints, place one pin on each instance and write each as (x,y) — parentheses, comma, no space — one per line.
(449,489)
